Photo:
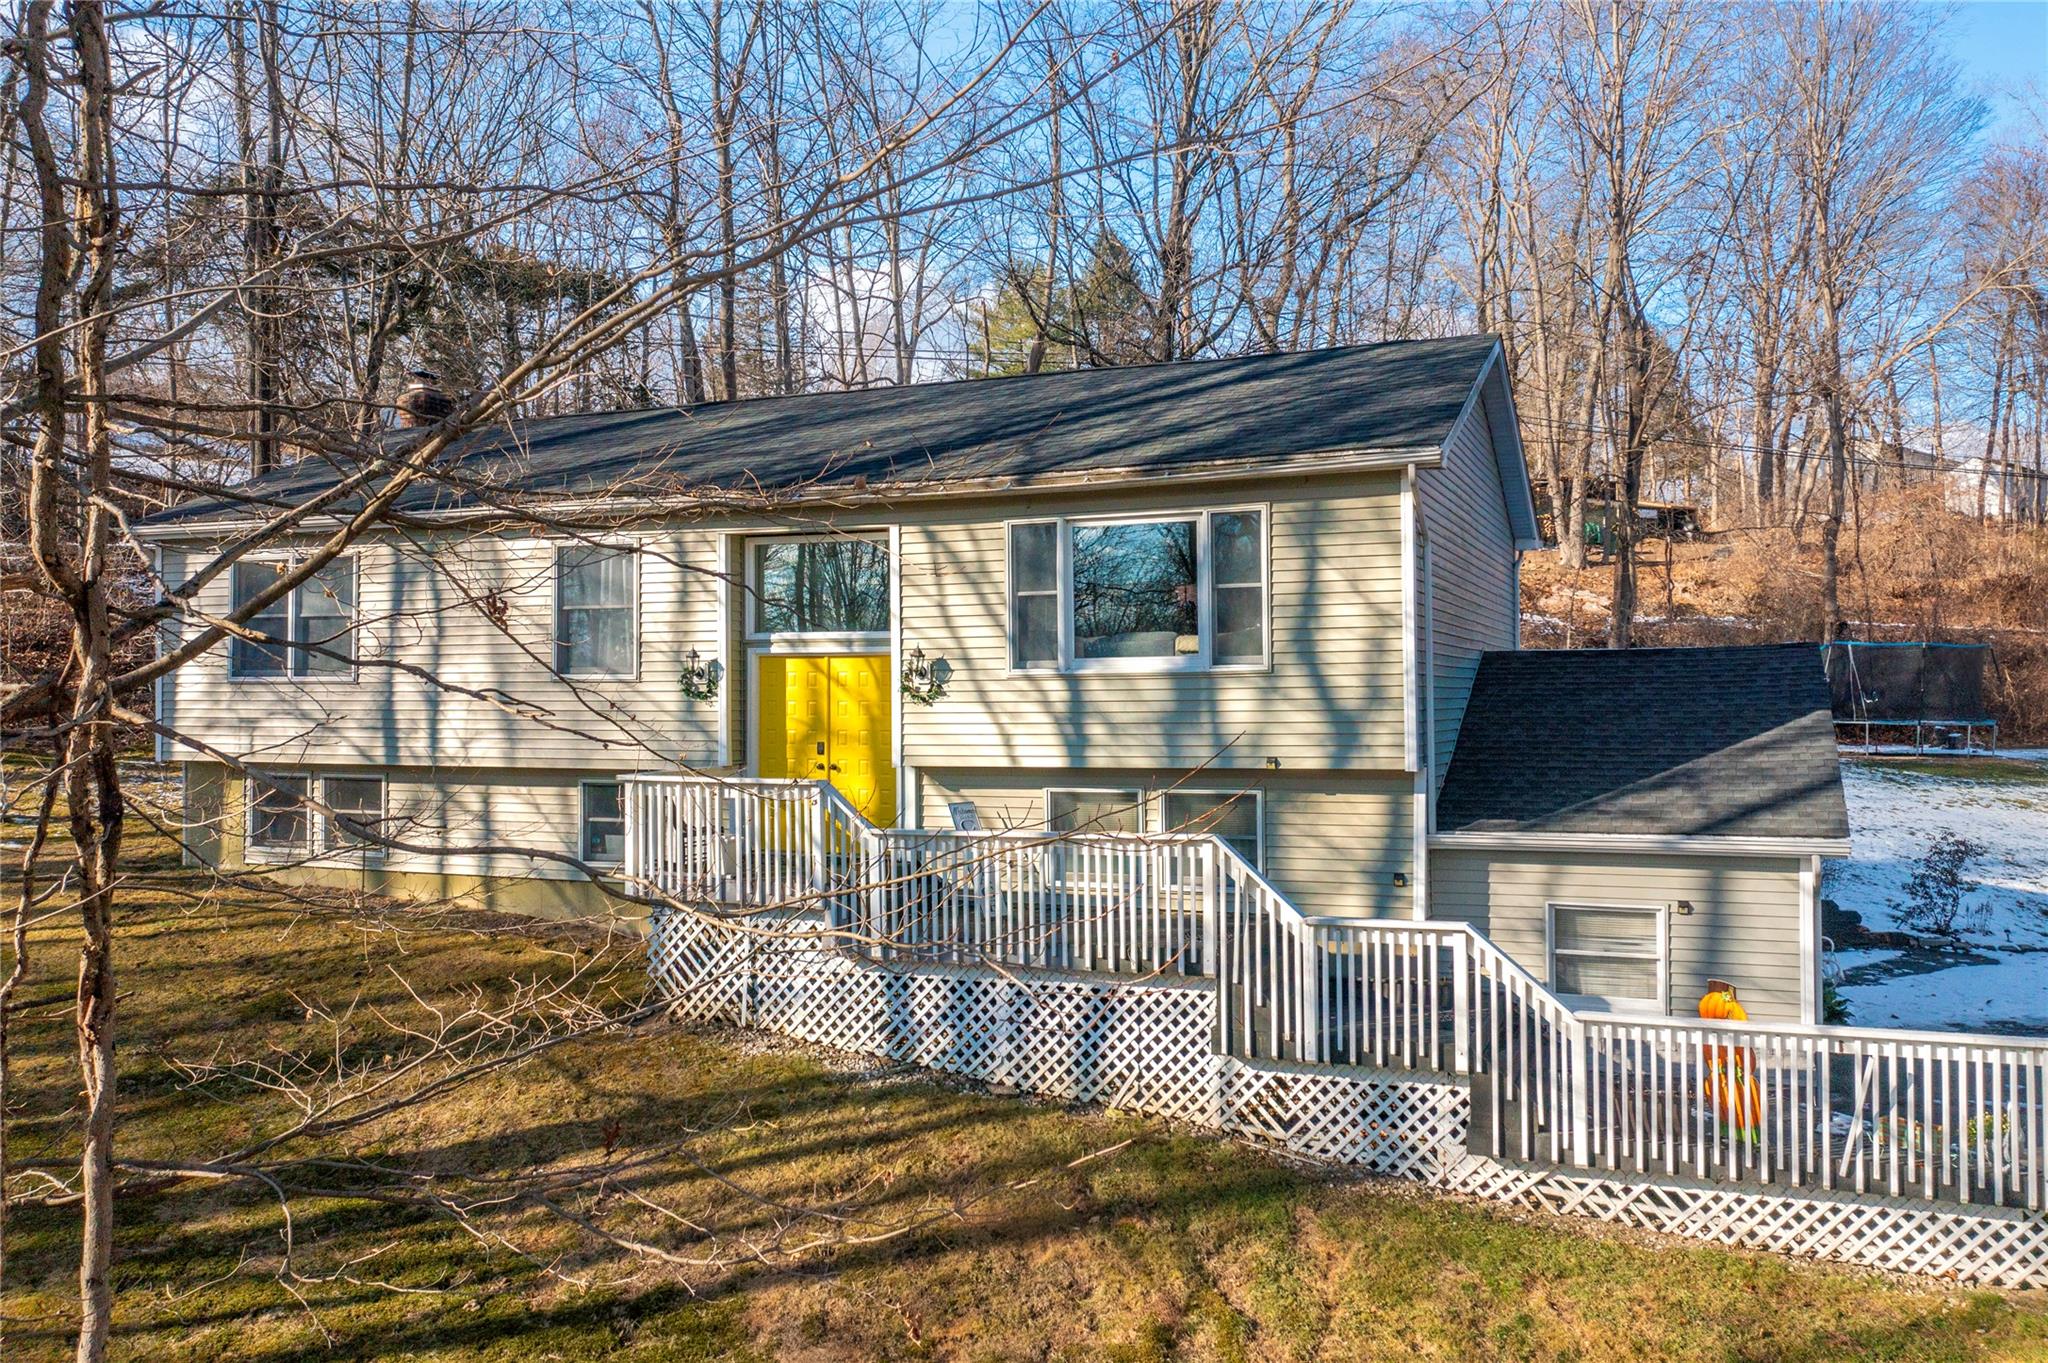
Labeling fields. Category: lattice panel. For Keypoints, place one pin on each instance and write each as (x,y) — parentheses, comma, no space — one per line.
(1989,1245)
(702,967)
(1394,1126)
(1148,1047)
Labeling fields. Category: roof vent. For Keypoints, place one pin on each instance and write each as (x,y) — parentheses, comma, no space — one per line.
(423,402)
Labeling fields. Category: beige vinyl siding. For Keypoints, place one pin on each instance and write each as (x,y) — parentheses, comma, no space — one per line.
(482,696)
(1332,698)
(1744,927)
(1333,843)
(1472,566)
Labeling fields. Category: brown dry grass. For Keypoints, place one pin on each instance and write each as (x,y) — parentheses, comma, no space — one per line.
(1912,570)
(1177,1246)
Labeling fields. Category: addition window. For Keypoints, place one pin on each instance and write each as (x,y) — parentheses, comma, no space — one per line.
(1614,954)
(596,608)
(1139,594)
(1233,816)
(604,823)
(355,809)
(309,631)
(279,819)
(819,585)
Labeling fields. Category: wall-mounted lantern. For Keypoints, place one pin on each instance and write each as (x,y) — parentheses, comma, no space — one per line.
(700,678)
(924,680)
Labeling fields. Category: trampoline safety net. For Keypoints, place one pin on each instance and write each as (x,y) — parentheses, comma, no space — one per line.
(1909,683)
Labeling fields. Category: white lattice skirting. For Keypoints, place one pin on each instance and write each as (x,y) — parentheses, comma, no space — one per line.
(1148,1046)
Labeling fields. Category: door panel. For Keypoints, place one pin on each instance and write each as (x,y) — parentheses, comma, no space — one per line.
(860,749)
(794,710)
(828,718)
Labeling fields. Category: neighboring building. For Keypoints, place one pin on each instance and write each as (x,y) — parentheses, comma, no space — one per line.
(1999,491)
(1248,595)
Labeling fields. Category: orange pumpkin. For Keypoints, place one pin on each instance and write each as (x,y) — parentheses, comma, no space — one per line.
(1731,1070)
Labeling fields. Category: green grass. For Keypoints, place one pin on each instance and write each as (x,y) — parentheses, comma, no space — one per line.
(1175,1247)
(2005,771)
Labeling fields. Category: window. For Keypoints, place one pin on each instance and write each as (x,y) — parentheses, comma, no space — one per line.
(820,586)
(1238,543)
(1230,815)
(1155,594)
(355,807)
(318,614)
(1035,594)
(604,822)
(1136,588)
(278,817)
(1094,811)
(596,595)
(1612,953)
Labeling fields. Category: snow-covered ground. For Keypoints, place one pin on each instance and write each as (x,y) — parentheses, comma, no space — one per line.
(1997,979)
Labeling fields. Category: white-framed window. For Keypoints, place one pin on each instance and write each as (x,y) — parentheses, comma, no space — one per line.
(1618,955)
(597,609)
(1174,592)
(603,825)
(279,818)
(809,585)
(1235,816)
(355,808)
(1095,810)
(311,629)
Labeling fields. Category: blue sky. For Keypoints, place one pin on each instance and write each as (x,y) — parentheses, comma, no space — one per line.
(2003,46)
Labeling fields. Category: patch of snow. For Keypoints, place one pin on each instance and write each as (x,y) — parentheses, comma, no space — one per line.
(1999,978)
(2004,993)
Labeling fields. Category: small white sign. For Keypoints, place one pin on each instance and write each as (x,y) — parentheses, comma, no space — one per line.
(966,818)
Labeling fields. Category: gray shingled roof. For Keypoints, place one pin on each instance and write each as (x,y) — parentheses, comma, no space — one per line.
(1714,742)
(1394,396)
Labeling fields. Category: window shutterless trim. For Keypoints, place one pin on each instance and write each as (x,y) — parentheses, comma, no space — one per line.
(583,819)
(252,791)
(1660,915)
(329,838)
(1136,804)
(1257,797)
(289,646)
(1205,594)
(555,636)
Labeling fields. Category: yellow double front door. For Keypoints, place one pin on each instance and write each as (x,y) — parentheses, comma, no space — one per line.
(827,718)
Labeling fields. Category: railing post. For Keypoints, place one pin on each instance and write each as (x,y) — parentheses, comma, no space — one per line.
(1461,1004)
(631,792)
(1580,1095)
(818,855)
(1211,899)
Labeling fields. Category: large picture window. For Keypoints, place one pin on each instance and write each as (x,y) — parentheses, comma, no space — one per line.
(1139,594)
(318,616)
(1615,954)
(596,606)
(838,585)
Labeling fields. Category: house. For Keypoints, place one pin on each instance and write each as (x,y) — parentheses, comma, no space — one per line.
(1273,598)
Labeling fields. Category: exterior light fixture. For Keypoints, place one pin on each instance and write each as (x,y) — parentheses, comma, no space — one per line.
(924,680)
(699,678)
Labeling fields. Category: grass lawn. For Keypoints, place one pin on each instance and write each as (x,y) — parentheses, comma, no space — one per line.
(1173,1246)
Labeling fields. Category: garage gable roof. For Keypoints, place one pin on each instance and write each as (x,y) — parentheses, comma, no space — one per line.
(1671,742)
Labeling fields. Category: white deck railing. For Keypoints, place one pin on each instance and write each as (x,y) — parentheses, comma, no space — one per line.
(1927,1115)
